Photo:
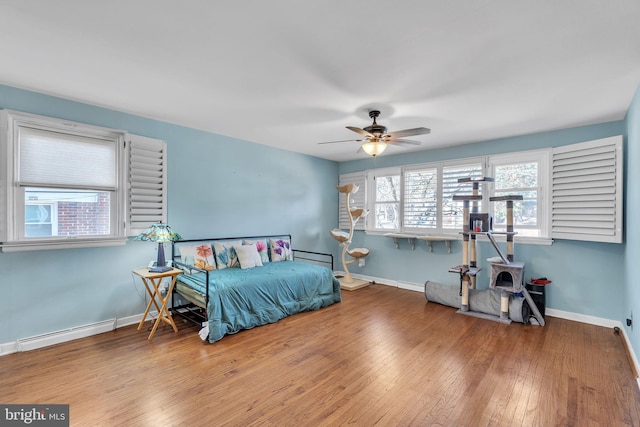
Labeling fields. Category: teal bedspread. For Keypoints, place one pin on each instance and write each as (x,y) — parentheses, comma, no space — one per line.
(242,299)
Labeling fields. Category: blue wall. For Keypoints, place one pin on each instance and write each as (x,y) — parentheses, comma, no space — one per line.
(217,187)
(588,278)
(220,186)
(632,213)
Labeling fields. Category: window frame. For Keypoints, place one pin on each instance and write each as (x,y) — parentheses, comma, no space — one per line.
(422,167)
(371,176)
(54,215)
(605,152)
(12,196)
(543,158)
(439,230)
(461,163)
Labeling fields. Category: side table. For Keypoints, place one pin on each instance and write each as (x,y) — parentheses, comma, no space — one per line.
(152,283)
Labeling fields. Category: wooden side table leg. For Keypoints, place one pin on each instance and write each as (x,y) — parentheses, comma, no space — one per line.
(163,312)
(166,301)
(152,300)
(155,326)
(156,292)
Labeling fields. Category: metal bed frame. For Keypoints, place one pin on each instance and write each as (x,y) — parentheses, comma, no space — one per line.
(196,314)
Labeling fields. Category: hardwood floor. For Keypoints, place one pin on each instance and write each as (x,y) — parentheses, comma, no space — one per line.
(384,356)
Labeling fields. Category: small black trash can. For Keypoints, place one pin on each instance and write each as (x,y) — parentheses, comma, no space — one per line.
(538,296)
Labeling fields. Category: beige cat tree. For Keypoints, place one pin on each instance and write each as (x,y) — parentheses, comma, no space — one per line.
(347,282)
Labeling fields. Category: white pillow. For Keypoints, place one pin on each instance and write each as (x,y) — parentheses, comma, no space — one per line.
(248,256)
(261,246)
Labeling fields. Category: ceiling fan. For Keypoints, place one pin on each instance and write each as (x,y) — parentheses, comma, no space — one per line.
(376,136)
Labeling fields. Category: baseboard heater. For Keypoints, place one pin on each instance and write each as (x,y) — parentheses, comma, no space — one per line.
(44,340)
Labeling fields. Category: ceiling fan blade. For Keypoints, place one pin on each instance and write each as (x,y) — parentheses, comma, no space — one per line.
(360,131)
(407,132)
(403,142)
(343,140)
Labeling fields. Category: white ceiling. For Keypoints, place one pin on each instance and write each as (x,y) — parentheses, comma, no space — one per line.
(293,73)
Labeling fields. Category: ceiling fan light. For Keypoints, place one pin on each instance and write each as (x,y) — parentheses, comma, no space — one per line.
(373,148)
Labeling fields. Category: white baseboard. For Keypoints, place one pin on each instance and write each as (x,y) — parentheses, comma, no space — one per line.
(57,337)
(411,286)
(583,318)
(135,319)
(632,354)
(8,348)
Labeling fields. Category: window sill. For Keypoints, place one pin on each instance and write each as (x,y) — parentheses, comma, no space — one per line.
(518,240)
(415,234)
(40,245)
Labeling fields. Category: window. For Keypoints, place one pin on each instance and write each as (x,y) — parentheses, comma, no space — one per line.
(64,184)
(41,219)
(420,199)
(521,174)
(426,196)
(385,193)
(423,203)
(452,219)
(570,192)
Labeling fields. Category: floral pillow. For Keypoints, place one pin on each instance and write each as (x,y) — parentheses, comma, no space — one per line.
(261,246)
(226,256)
(200,256)
(248,256)
(281,250)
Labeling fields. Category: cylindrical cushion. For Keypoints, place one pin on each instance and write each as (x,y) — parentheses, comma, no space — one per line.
(483,301)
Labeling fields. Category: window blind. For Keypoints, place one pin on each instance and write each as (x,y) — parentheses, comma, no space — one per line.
(587,191)
(51,159)
(147,180)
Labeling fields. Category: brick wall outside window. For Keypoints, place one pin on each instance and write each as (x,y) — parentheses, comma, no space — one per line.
(78,218)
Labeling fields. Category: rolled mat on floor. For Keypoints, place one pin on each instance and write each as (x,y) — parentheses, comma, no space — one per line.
(485,301)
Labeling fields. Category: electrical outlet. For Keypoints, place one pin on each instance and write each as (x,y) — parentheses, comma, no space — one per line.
(164,286)
(361,262)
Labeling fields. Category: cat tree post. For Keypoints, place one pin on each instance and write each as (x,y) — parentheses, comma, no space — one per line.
(464,291)
(348,282)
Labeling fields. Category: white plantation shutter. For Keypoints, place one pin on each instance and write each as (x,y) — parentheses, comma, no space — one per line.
(420,198)
(147,179)
(587,191)
(452,210)
(358,198)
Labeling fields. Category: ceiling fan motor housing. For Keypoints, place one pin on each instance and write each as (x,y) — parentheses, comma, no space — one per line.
(375,128)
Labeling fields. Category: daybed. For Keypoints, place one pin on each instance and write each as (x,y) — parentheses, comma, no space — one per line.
(233,284)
